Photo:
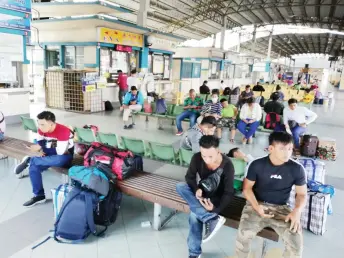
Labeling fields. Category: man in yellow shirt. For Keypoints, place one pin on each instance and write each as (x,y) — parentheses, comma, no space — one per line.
(228,117)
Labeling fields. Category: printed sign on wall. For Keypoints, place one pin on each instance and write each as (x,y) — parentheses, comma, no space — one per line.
(16,5)
(18,24)
(106,35)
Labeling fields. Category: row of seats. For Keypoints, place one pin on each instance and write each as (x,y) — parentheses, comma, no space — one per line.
(148,149)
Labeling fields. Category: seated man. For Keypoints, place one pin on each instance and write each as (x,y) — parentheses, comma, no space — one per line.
(296,119)
(267,189)
(274,106)
(55,148)
(2,126)
(212,107)
(204,89)
(280,93)
(228,118)
(133,101)
(258,87)
(191,139)
(245,95)
(206,206)
(192,106)
(238,154)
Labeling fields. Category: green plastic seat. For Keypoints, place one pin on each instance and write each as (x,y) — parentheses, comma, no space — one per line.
(176,111)
(185,157)
(239,166)
(29,124)
(85,135)
(136,146)
(108,139)
(163,152)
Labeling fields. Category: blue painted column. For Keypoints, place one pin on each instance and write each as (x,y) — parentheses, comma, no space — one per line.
(45,57)
(143,56)
(98,57)
(62,56)
(25,60)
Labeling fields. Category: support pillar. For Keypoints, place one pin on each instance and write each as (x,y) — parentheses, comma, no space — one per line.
(239,43)
(143,57)
(223,33)
(142,13)
(268,57)
(253,46)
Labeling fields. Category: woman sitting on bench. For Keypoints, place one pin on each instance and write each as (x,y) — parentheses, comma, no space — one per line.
(250,115)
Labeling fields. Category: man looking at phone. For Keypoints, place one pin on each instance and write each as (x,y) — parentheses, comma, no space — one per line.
(54,148)
(206,198)
(267,189)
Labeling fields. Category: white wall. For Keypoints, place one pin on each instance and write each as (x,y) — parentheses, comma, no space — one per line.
(11,47)
(192,52)
(313,62)
(90,55)
(79,35)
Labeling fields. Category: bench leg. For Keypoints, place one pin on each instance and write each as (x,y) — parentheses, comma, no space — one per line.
(159,224)
(172,121)
(147,119)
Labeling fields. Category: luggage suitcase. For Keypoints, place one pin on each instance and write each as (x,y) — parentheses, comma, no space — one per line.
(309,145)
(314,215)
(59,194)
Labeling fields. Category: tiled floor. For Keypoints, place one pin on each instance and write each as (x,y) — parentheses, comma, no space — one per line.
(22,228)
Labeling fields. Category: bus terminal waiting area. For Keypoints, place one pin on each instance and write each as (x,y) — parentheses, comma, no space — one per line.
(137,232)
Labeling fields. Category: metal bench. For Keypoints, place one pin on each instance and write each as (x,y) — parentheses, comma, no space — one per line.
(149,187)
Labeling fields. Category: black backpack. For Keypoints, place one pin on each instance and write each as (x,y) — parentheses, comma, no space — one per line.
(107,209)
(108,106)
(227,91)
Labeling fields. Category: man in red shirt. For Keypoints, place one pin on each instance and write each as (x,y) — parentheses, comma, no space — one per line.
(123,86)
(55,148)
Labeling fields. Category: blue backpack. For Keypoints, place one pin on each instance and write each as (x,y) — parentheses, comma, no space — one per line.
(75,221)
(161,107)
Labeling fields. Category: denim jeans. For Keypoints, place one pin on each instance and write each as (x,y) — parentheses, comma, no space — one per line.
(2,136)
(297,131)
(252,128)
(40,164)
(121,94)
(186,114)
(197,218)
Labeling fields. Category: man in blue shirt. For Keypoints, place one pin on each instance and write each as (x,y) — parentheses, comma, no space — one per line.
(133,101)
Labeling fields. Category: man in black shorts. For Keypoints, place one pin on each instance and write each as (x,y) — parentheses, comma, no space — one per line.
(267,189)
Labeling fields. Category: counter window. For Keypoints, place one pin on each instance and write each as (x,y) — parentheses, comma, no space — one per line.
(111,61)
(74,57)
(228,71)
(242,71)
(160,66)
(214,70)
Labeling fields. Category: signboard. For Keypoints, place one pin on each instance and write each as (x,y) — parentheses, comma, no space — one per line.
(18,24)
(16,5)
(89,82)
(118,37)
(124,48)
(101,82)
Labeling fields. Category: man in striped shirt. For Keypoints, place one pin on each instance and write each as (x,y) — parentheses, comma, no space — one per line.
(54,148)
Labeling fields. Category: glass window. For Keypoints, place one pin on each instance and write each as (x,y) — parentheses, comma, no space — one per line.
(53,58)
(159,65)
(74,57)
(105,61)
(214,70)
(120,61)
(228,71)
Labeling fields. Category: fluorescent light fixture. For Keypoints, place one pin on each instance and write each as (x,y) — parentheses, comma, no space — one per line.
(103,15)
(110,3)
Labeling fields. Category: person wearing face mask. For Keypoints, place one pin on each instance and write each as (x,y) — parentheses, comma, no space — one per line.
(267,189)
(190,140)
(206,206)
(204,89)
(211,108)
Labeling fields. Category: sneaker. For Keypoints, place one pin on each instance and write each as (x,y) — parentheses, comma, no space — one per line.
(212,226)
(19,169)
(192,256)
(35,200)
(179,133)
(125,127)
(131,126)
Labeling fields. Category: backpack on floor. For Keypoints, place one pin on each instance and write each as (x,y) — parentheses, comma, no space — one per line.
(272,119)
(161,107)
(112,161)
(309,145)
(75,221)
(107,208)
(91,178)
(108,106)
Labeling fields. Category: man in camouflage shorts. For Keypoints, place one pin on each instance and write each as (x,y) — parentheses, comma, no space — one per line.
(267,189)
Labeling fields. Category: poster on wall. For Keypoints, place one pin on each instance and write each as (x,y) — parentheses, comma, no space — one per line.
(16,5)
(158,64)
(89,82)
(119,37)
(18,24)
